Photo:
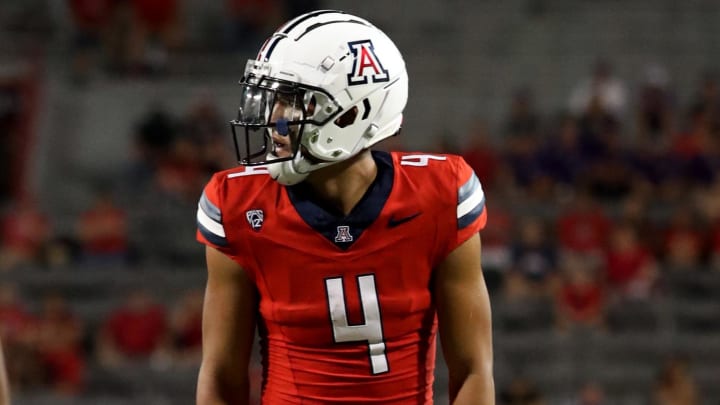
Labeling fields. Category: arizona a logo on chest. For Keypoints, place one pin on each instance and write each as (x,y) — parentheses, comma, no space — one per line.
(343,234)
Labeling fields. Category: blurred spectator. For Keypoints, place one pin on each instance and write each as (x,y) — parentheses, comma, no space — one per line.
(535,256)
(707,98)
(583,226)
(522,119)
(154,136)
(25,233)
(61,252)
(696,149)
(155,29)
(102,231)
(598,130)
(496,253)
(17,330)
(634,211)
(602,89)
(609,178)
(707,200)
(204,126)
(683,253)
(180,174)
(590,393)
(135,331)
(91,19)
(651,165)
(684,238)
(482,155)
(522,157)
(59,342)
(15,320)
(674,385)
(561,154)
(520,391)
(630,268)
(186,328)
(655,109)
(580,300)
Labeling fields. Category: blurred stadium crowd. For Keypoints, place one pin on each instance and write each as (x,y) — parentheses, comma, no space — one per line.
(602,250)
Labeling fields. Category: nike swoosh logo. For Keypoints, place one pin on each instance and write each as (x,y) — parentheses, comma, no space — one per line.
(393,222)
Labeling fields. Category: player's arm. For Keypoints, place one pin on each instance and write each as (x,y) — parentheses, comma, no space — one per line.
(228,330)
(464,318)
(4,384)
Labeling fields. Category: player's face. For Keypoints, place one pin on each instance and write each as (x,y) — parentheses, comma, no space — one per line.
(287,108)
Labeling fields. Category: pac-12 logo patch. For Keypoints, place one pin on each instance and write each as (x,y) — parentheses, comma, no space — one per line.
(343,234)
(255,219)
(366,64)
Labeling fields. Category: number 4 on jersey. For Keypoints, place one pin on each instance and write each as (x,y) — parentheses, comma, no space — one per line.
(370,330)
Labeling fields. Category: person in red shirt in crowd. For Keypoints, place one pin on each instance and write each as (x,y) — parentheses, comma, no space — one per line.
(497,252)
(684,241)
(102,231)
(135,331)
(581,297)
(481,155)
(17,330)
(24,233)
(629,265)
(92,19)
(181,173)
(154,23)
(582,228)
(59,339)
(186,328)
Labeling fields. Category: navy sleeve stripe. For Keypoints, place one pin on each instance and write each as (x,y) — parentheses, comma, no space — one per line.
(472,215)
(210,236)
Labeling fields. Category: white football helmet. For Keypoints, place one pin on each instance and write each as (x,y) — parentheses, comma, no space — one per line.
(324,87)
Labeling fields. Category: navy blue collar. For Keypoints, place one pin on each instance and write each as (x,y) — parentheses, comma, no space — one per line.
(339,229)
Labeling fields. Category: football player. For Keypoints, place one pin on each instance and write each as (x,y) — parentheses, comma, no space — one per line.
(346,260)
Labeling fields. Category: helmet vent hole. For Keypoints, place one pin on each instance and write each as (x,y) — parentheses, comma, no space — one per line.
(348,118)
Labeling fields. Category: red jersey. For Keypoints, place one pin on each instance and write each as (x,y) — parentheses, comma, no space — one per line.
(346,308)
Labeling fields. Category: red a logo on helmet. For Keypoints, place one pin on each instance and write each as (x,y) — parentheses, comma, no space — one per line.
(366,64)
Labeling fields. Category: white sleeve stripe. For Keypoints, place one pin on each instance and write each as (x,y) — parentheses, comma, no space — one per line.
(471,202)
(209,208)
(212,226)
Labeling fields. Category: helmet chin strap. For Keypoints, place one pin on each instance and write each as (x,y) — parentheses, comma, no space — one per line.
(285,173)
(293,171)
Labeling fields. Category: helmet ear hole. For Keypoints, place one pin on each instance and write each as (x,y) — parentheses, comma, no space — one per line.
(348,118)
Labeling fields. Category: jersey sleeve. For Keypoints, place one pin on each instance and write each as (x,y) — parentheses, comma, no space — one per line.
(210,226)
(471,212)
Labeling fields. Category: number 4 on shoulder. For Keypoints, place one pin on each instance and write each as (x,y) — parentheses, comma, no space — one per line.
(419,160)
